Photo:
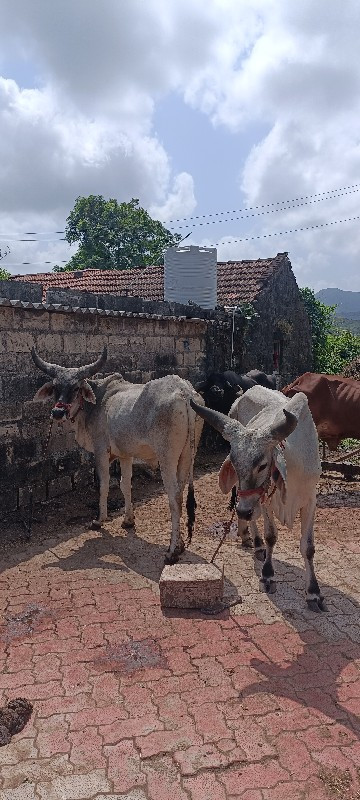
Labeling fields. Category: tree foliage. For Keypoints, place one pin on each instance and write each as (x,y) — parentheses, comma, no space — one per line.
(332,346)
(114,235)
(4,274)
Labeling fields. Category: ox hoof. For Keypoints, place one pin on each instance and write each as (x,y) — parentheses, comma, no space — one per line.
(126,523)
(267,585)
(316,604)
(260,553)
(97,524)
(247,543)
(172,558)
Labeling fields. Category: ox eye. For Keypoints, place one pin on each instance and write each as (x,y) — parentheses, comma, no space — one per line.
(262,467)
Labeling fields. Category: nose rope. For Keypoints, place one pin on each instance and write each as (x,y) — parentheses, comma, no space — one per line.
(67,406)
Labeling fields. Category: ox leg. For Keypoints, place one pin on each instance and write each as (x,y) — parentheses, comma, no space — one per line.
(250,537)
(259,544)
(270,531)
(245,535)
(174,494)
(125,486)
(314,598)
(102,469)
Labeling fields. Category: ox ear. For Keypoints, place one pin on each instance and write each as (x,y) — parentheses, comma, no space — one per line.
(87,392)
(44,393)
(227,476)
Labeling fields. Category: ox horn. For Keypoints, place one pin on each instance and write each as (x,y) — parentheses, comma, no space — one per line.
(216,419)
(90,369)
(283,425)
(45,366)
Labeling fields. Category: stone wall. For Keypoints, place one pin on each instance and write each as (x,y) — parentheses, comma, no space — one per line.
(145,340)
(141,347)
(281,315)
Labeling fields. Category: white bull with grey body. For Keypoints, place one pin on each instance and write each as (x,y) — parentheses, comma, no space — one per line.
(151,422)
(274,463)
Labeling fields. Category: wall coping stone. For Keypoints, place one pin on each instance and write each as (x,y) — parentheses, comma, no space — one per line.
(59,308)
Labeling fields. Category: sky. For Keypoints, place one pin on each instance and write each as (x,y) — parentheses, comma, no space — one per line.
(204,110)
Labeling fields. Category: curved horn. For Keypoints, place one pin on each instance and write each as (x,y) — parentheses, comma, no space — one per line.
(90,369)
(45,366)
(214,418)
(282,427)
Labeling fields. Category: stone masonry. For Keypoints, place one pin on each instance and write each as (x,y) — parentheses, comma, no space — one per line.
(141,347)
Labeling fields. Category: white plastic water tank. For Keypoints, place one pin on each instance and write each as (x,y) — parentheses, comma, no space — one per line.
(191,274)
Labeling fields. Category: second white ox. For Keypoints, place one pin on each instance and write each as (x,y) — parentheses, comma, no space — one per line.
(274,463)
(152,422)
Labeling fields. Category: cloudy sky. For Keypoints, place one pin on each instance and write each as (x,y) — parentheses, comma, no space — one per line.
(196,107)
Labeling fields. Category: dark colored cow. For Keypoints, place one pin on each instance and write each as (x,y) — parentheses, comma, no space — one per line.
(261,378)
(221,389)
(334,402)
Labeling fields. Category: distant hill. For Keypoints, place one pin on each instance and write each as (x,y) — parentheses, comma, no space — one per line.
(352,325)
(348,303)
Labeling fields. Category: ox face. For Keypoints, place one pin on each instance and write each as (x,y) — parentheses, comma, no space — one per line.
(249,463)
(68,387)
(248,467)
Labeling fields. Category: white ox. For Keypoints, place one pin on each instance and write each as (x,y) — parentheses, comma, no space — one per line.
(151,422)
(274,463)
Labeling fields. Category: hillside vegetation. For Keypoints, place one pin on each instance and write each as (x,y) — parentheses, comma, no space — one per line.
(333,345)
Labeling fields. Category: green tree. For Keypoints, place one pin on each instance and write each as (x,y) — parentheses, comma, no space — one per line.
(114,235)
(342,347)
(332,346)
(4,274)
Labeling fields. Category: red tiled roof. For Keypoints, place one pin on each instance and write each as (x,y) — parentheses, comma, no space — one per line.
(238,281)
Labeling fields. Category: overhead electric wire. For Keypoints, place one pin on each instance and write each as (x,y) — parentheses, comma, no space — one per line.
(218,244)
(266,205)
(284,233)
(263,213)
(333,192)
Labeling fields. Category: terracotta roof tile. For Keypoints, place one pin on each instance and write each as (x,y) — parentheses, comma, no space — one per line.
(238,281)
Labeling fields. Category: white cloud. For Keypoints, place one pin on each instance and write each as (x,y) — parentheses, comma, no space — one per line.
(84,122)
(181,200)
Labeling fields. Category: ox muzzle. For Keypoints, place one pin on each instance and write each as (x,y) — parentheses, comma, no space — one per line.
(60,411)
(246,512)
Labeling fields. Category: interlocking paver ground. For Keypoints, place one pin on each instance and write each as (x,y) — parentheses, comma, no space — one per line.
(260,702)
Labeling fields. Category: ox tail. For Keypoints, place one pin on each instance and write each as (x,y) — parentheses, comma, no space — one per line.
(190,500)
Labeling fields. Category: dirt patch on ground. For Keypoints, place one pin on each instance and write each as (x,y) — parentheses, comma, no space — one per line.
(69,514)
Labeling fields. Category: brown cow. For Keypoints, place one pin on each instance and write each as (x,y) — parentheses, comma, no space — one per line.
(334,402)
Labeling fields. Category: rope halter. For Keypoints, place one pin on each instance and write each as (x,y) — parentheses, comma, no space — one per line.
(67,406)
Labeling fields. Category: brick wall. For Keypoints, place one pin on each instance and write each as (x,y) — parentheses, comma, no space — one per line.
(140,347)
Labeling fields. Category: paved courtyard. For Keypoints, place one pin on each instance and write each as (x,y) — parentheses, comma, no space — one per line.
(260,702)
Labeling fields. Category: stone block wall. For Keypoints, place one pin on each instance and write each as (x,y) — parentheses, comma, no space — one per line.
(281,315)
(141,347)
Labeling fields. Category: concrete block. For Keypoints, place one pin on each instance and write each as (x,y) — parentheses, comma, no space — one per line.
(191,586)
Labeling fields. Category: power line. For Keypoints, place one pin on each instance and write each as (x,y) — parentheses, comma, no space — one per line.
(35,263)
(217,244)
(345,189)
(266,205)
(284,233)
(34,233)
(263,213)
(31,240)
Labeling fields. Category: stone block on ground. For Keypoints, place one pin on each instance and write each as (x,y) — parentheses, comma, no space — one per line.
(191,586)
